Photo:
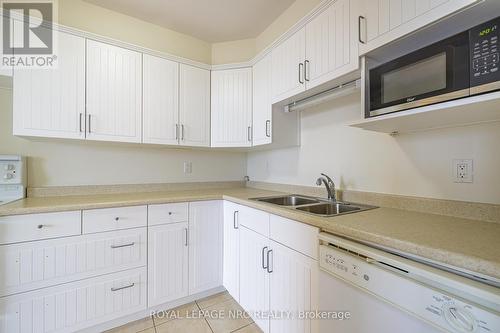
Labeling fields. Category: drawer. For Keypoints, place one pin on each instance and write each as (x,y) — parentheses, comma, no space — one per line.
(167,213)
(75,306)
(296,235)
(23,228)
(34,265)
(253,219)
(98,220)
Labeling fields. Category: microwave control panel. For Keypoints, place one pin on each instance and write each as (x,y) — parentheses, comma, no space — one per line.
(484,47)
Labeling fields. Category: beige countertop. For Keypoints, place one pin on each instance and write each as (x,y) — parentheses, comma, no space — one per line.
(468,244)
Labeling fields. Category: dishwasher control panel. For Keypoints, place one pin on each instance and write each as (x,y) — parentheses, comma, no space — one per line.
(396,286)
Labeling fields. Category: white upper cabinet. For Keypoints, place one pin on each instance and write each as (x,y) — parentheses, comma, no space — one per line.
(288,67)
(194,102)
(232,108)
(161,100)
(114,93)
(262,102)
(383,21)
(331,43)
(51,102)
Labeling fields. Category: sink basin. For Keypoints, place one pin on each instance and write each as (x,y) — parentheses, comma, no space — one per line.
(329,209)
(288,200)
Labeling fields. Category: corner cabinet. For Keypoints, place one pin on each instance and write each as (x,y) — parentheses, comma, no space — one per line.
(114,93)
(231,108)
(384,21)
(51,102)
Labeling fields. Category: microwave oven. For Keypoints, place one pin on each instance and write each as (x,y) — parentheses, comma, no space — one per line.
(460,66)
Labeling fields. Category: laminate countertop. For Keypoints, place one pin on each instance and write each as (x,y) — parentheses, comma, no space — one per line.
(467,244)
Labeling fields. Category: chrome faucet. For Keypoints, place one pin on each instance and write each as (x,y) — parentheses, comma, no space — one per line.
(329,184)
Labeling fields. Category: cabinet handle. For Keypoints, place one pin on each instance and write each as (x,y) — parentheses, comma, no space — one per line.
(90,117)
(124,245)
(360,18)
(80,122)
(117,219)
(121,288)
(301,67)
(268,128)
(235,225)
(306,70)
(182,132)
(249,133)
(40,226)
(269,268)
(186,234)
(176,132)
(264,266)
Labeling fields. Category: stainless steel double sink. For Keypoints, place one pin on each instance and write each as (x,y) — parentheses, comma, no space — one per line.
(314,206)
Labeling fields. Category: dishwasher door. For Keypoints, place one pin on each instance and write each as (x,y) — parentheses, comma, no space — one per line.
(368,314)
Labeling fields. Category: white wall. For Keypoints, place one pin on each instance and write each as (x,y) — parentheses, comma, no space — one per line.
(64,163)
(413,164)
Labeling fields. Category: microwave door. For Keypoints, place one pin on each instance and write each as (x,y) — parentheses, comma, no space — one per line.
(431,75)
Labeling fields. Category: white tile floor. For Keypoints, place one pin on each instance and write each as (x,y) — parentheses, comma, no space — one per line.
(194,318)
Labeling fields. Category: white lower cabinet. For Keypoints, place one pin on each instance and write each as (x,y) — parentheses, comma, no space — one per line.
(231,260)
(75,306)
(168,263)
(205,245)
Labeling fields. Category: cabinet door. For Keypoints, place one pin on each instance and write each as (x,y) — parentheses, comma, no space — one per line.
(114,84)
(254,277)
(194,112)
(231,263)
(205,245)
(331,43)
(232,108)
(161,100)
(293,288)
(51,102)
(262,102)
(387,20)
(288,67)
(167,263)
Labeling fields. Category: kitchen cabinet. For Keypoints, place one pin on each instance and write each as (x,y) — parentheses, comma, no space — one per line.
(161,100)
(383,21)
(331,43)
(51,102)
(288,67)
(231,108)
(254,277)
(205,245)
(231,259)
(194,106)
(293,288)
(168,263)
(114,93)
(262,102)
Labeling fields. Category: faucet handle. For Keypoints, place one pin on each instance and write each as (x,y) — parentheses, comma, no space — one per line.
(319,181)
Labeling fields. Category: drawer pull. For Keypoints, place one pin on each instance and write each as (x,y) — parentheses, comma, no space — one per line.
(40,226)
(124,245)
(117,219)
(125,287)
(169,213)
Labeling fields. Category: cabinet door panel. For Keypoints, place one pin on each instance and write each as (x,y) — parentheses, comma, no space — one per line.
(205,245)
(231,264)
(161,100)
(51,102)
(114,93)
(254,278)
(293,288)
(262,103)
(287,73)
(331,46)
(167,263)
(194,106)
(231,110)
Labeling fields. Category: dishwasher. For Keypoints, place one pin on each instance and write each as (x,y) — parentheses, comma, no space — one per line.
(363,289)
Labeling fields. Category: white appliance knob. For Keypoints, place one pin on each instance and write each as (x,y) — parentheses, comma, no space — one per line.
(8,176)
(459,318)
(9,167)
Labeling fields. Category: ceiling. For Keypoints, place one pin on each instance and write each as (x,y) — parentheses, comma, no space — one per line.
(209,20)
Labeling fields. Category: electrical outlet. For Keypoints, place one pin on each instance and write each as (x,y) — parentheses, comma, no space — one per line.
(462,171)
(188,167)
